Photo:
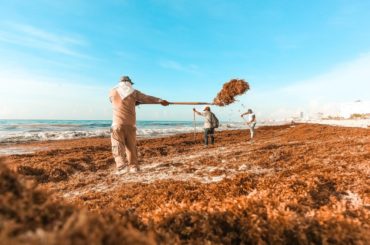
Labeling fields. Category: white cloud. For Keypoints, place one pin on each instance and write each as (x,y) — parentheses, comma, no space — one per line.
(30,36)
(25,95)
(348,81)
(327,93)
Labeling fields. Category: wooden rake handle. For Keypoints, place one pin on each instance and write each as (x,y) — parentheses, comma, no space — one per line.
(190,103)
(181,103)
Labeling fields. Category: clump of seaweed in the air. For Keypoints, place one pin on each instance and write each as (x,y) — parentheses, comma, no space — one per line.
(230,90)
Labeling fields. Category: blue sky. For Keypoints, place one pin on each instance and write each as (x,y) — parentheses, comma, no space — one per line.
(60,58)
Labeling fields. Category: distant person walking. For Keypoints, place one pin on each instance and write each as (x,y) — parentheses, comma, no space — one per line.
(124,98)
(251,122)
(210,123)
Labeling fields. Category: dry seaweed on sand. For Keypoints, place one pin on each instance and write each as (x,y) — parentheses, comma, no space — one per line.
(230,90)
(32,216)
(312,193)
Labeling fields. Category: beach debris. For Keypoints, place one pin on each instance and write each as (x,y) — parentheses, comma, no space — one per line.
(231,200)
(28,215)
(230,90)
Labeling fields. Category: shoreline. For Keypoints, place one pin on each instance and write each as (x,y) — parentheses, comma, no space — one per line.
(30,147)
(48,145)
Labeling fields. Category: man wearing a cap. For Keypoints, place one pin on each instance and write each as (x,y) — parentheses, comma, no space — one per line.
(208,127)
(124,98)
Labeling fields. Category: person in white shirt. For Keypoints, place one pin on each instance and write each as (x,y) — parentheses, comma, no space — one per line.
(251,122)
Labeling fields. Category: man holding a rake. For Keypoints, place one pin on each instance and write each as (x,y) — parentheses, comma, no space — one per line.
(210,123)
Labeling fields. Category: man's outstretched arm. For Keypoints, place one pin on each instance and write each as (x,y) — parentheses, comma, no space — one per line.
(197,112)
(147,99)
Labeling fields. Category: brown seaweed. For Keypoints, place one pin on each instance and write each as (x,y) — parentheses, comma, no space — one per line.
(230,90)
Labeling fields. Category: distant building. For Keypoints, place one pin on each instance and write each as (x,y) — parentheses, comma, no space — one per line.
(357,107)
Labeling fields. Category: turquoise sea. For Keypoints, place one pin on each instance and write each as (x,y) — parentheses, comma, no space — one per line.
(15,131)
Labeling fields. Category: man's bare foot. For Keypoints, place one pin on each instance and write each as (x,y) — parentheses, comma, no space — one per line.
(122,170)
(135,169)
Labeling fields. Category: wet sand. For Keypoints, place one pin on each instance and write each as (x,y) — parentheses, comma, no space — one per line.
(295,183)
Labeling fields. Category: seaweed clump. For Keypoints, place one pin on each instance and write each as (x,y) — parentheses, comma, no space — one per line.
(230,90)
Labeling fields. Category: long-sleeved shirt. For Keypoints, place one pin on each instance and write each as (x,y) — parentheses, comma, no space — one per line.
(207,118)
(124,112)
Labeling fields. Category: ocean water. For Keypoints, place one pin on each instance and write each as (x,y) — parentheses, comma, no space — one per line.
(15,131)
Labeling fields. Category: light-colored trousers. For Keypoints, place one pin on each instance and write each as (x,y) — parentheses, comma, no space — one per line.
(251,128)
(123,139)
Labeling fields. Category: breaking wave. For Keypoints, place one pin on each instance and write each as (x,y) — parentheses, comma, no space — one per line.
(12,131)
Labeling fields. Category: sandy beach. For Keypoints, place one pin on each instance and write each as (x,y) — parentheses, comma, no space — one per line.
(302,183)
(184,122)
